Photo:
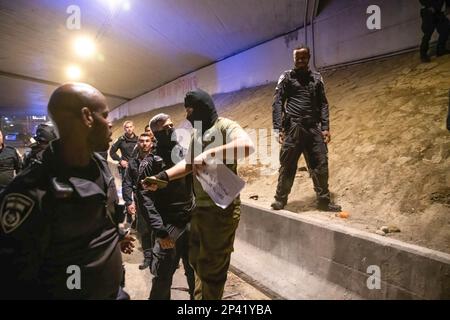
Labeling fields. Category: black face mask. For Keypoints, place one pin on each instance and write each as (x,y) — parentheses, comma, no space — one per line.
(203,108)
(164,138)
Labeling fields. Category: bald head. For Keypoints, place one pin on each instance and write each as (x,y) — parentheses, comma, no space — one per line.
(70,98)
(80,112)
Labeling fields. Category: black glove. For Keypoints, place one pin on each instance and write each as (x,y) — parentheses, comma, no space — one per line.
(162,176)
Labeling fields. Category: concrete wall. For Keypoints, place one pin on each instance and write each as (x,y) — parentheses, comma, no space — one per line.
(304,258)
(340,36)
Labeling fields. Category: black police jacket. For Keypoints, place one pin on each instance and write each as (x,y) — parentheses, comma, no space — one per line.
(10,161)
(125,145)
(177,199)
(58,237)
(171,205)
(288,91)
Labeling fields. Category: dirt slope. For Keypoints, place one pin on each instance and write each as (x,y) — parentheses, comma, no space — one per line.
(390,152)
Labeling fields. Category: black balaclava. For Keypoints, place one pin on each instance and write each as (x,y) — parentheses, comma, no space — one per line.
(164,138)
(204,109)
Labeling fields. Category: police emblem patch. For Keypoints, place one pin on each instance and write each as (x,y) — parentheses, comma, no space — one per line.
(14,210)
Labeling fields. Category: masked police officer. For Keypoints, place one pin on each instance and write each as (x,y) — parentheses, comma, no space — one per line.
(58,237)
(303,126)
(170,216)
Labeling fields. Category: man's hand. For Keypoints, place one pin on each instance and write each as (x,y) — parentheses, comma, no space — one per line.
(200,162)
(126,245)
(131,209)
(123,164)
(326,136)
(149,186)
(281,137)
(166,243)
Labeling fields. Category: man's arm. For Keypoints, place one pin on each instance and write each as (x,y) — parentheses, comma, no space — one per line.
(278,101)
(241,146)
(180,170)
(113,151)
(323,106)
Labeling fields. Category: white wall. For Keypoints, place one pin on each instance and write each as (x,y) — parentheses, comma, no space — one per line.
(340,35)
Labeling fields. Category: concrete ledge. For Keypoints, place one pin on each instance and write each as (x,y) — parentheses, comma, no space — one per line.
(304,258)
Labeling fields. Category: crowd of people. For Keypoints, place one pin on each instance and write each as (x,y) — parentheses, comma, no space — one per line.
(62,230)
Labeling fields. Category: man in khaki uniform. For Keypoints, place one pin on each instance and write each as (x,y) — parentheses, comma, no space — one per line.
(212,228)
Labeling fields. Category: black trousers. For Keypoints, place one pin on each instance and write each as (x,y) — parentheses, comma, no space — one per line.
(165,262)
(430,22)
(307,140)
(143,230)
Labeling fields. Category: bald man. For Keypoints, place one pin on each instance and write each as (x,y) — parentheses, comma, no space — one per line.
(58,237)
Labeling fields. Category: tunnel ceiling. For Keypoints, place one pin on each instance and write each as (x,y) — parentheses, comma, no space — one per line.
(140,45)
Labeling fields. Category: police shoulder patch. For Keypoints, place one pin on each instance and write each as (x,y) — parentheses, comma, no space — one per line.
(15,209)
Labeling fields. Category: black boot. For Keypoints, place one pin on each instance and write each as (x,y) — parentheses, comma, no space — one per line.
(277,205)
(324,206)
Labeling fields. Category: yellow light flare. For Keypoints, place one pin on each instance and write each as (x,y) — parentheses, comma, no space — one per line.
(84,47)
(73,72)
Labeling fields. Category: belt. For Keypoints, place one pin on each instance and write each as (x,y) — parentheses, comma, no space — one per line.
(303,121)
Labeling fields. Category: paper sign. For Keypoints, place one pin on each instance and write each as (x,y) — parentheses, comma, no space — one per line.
(220,183)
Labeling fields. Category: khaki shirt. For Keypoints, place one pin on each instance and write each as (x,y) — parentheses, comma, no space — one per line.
(222,132)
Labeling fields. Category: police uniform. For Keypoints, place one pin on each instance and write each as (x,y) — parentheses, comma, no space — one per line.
(173,207)
(58,237)
(302,120)
(10,161)
(130,187)
(126,146)
(167,213)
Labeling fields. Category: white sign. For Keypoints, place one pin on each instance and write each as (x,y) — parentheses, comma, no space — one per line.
(220,183)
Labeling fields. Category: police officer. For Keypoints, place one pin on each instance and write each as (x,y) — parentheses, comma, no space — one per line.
(58,237)
(169,217)
(130,187)
(212,227)
(303,126)
(45,132)
(126,144)
(10,162)
(434,17)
